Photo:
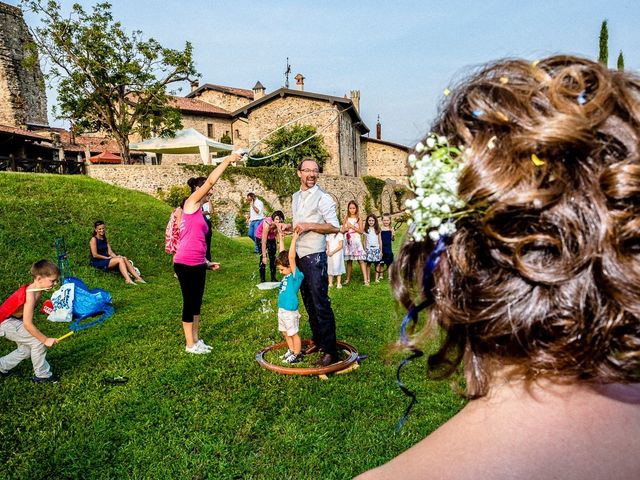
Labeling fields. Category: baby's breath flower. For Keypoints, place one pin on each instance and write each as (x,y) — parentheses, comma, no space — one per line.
(434,180)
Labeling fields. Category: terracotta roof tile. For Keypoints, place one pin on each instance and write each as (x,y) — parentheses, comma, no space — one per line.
(82,142)
(21,132)
(240,92)
(194,105)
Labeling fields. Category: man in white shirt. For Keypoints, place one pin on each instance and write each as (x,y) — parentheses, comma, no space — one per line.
(314,216)
(256,215)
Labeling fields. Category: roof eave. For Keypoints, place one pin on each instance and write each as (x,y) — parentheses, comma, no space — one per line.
(209,86)
(206,114)
(386,142)
(283,92)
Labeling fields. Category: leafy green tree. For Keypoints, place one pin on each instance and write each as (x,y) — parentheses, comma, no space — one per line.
(108,80)
(288,137)
(603,56)
(225,138)
(620,61)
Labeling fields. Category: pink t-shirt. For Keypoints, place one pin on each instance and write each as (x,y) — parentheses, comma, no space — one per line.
(192,249)
(268,221)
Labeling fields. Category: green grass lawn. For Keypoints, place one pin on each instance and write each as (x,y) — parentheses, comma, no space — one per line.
(184,416)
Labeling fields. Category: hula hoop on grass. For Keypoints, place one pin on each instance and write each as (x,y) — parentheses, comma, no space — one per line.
(333,368)
(318,132)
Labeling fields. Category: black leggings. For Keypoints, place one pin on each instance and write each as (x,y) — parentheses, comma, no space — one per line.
(192,279)
(271,253)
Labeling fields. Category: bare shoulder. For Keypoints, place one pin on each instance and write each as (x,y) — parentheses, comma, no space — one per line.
(570,433)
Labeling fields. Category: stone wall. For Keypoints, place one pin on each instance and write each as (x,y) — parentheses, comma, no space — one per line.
(240,130)
(200,123)
(229,102)
(228,196)
(349,158)
(22,92)
(281,110)
(386,161)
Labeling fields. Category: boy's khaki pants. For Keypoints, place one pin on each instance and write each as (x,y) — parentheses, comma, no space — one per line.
(28,346)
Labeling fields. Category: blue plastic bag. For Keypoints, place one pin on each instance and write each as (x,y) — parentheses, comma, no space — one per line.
(89,303)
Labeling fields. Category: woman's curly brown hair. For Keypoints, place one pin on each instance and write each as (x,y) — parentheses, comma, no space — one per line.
(543,278)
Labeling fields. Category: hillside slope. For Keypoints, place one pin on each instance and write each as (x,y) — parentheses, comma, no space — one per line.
(217,416)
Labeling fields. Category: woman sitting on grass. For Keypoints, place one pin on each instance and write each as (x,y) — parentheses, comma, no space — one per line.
(103,258)
(537,288)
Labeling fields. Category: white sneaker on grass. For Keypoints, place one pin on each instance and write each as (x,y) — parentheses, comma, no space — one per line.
(293,359)
(197,349)
(287,354)
(204,345)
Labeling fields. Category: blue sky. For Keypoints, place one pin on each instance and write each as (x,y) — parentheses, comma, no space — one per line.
(400,54)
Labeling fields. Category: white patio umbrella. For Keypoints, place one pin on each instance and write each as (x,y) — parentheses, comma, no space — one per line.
(185,141)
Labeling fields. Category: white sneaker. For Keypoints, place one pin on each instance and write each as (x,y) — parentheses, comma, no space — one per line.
(287,354)
(293,358)
(204,345)
(197,349)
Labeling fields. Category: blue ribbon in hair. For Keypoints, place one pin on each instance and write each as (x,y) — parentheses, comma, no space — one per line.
(412,317)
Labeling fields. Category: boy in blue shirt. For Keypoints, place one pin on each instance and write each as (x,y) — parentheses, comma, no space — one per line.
(288,315)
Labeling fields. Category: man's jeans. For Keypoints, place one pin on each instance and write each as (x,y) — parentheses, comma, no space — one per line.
(253,226)
(315,295)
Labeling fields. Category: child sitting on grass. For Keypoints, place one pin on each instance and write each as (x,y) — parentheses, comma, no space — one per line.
(288,315)
(16,323)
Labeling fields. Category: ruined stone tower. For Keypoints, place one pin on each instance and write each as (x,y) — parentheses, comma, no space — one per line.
(22,94)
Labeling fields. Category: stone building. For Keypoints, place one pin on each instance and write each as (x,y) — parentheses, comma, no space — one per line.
(247,116)
(335,119)
(386,160)
(23,102)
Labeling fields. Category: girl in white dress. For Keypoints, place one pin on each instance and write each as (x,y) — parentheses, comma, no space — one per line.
(353,249)
(335,254)
(372,244)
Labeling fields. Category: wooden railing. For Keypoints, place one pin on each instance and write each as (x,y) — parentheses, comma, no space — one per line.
(40,165)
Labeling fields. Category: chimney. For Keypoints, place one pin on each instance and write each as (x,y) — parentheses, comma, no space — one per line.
(194,85)
(379,129)
(355,98)
(258,91)
(299,82)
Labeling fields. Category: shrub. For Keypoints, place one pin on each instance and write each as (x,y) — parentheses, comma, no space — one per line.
(288,137)
(375,187)
(175,196)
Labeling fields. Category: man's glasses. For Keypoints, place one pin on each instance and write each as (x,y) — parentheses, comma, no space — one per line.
(310,170)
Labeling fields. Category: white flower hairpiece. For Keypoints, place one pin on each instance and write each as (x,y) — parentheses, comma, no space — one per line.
(436,168)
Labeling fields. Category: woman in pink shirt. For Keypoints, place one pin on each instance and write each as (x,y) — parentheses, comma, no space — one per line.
(266,232)
(189,262)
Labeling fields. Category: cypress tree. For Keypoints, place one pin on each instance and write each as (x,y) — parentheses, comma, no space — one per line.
(603,56)
(620,61)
